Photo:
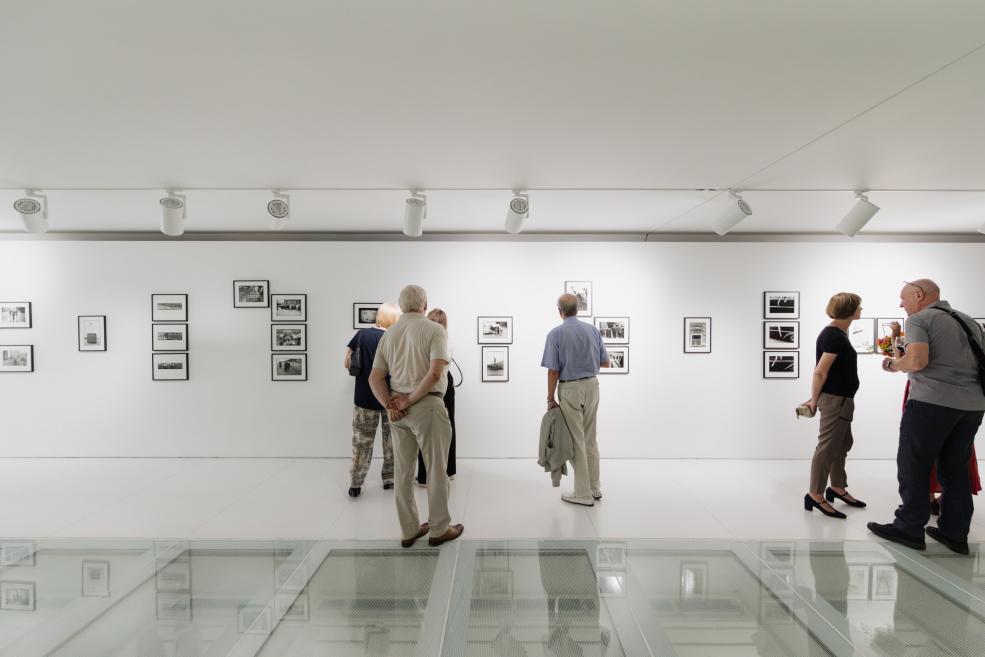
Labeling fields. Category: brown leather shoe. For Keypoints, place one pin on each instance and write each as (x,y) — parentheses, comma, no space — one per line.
(424,529)
(453,532)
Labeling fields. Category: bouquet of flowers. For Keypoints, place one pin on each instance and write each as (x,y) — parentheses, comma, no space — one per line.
(885,345)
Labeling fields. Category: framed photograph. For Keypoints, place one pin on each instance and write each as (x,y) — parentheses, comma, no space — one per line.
(92,332)
(781,335)
(614,330)
(288,307)
(583,291)
(251,294)
(494,584)
(495,364)
(169,367)
(174,606)
(884,329)
(618,361)
(95,579)
(15,314)
(694,580)
(858,582)
(289,367)
(781,364)
(175,576)
(495,330)
(697,335)
(169,307)
(17,596)
(885,580)
(289,607)
(364,314)
(254,619)
(781,305)
(862,335)
(288,337)
(16,358)
(169,337)
(16,553)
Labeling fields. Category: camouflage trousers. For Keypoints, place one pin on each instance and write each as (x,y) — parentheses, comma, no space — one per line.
(364,423)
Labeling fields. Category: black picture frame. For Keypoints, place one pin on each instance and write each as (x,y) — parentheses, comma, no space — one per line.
(359,306)
(788,356)
(770,324)
(156,316)
(304,308)
(29,365)
(264,303)
(153,342)
(596,321)
(30,315)
(493,341)
(779,310)
(178,355)
(483,372)
(273,366)
(102,328)
(689,347)
(290,348)
(615,348)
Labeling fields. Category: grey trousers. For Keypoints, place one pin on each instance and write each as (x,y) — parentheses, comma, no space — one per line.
(579,402)
(425,428)
(833,442)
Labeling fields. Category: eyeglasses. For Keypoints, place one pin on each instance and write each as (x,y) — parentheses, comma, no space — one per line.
(916,286)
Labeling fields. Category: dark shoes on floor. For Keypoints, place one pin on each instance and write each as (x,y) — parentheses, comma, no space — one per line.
(891,533)
(830,496)
(961,547)
(421,532)
(355,491)
(453,532)
(810,505)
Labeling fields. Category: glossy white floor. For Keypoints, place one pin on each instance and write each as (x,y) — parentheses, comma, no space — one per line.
(306,498)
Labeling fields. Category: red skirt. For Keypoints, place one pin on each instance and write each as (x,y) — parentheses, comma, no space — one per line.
(973,476)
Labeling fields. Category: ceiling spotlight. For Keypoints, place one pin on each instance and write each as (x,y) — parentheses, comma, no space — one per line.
(858,216)
(518,211)
(736,212)
(279,208)
(33,209)
(174,210)
(415,212)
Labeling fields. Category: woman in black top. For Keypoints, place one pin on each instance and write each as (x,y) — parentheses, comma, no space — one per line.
(833,389)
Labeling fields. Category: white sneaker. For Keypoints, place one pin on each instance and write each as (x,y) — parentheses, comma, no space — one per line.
(597,494)
(584,501)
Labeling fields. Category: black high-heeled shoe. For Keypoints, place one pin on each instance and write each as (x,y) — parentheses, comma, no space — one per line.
(810,505)
(830,494)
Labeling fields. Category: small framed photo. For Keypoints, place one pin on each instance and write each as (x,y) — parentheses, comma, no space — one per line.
(17,358)
(288,307)
(495,330)
(288,337)
(17,596)
(697,335)
(694,580)
(884,327)
(92,332)
(289,367)
(169,367)
(174,606)
(15,314)
(495,364)
(95,579)
(862,335)
(781,364)
(175,576)
(618,361)
(251,294)
(289,607)
(16,553)
(169,337)
(885,580)
(614,330)
(781,335)
(254,619)
(781,305)
(583,291)
(364,314)
(858,581)
(169,308)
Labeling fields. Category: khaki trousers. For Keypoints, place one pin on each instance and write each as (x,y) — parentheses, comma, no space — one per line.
(425,428)
(579,402)
(833,442)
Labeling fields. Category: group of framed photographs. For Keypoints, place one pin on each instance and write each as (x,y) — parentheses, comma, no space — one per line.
(615,337)
(173,581)
(781,335)
(16,357)
(169,337)
(495,333)
(16,595)
(288,327)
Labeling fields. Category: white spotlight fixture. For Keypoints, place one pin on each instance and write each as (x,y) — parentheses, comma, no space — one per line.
(174,210)
(858,216)
(279,208)
(518,211)
(736,212)
(33,209)
(415,212)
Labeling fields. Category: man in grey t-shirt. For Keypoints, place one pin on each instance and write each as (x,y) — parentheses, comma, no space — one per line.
(940,420)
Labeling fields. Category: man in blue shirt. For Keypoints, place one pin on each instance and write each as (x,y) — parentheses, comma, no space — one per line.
(573,354)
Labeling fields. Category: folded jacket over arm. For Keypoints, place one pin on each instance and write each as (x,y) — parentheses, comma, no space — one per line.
(555,445)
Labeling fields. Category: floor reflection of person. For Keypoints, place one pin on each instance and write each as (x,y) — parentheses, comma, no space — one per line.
(572,601)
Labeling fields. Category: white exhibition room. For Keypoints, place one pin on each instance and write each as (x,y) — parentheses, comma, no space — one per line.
(203,203)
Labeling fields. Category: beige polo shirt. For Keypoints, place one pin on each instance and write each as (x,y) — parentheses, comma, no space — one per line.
(407,349)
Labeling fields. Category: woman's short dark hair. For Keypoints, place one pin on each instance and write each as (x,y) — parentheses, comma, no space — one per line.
(843,305)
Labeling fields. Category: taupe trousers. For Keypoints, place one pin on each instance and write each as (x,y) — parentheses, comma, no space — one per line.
(425,428)
(579,401)
(833,442)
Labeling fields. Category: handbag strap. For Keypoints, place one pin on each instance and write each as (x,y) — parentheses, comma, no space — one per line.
(461,377)
(976,347)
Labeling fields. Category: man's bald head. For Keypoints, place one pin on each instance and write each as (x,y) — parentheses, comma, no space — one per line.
(919,294)
(567,305)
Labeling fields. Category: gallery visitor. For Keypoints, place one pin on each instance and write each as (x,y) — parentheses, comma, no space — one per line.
(945,363)
(438,315)
(573,354)
(414,352)
(833,389)
(367,412)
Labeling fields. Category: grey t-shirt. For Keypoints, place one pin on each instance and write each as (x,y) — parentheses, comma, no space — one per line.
(951,376)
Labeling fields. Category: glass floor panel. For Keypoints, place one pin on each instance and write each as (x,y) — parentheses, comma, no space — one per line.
(524,598)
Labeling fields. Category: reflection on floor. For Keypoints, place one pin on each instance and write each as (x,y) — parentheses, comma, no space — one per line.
(521,598)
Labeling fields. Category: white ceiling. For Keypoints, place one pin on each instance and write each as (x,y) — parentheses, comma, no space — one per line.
(680,94)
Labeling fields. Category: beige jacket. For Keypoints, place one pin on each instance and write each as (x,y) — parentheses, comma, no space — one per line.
(555,445)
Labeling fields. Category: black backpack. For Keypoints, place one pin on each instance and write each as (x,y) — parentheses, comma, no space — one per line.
(976,348)
(356,360)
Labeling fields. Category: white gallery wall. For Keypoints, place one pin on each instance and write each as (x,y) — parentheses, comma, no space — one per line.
(670,405)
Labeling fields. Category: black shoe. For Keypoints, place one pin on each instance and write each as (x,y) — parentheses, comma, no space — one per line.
(890,533)
(830,496)
(388,485)
(935,508)
(355,491)
(810,505)
(961,547)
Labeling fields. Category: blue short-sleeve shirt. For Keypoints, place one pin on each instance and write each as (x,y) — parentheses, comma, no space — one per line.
(574,349)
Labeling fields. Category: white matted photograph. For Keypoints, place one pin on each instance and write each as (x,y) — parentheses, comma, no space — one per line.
(618,361)
(92,332)
(289,367)
(781,364)
(289,307)
(614,330)
(364,314)
(697,335)
(95,579)
(174,606)
(254,619)
(16,553)
(169,337)
(288,337)
(583,292)
(16,358)
(251,294)
(495,330)
(862,335)
(781,335)
(781,305)
(495,364)
(169,367)
(17,596)
(15,314)
(169,307)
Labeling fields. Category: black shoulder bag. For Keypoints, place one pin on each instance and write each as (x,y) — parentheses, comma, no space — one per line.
(356,360)
(976,348)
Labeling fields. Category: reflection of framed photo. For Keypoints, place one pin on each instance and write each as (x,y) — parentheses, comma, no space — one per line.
(253,619)
(781,365)
(779,554)
(495,330)
(16,553)
(781,305)
(885,580)
(175,576)
(169,337)
(618,361)
(174,606)
(781,335)
(169,308)
(614,330)
(858,582)
(15,314)
(288,337)
(95,579)
(610,556)
(171,550)
(694,580)
(288,307)
(364,314)
(251,294)
(494,584)
(92,332)
(697,335)
(583,291)
(169,367)
(289,367)
(862,335)
(290,608)
(17,596)
(16,358)
(495,364)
